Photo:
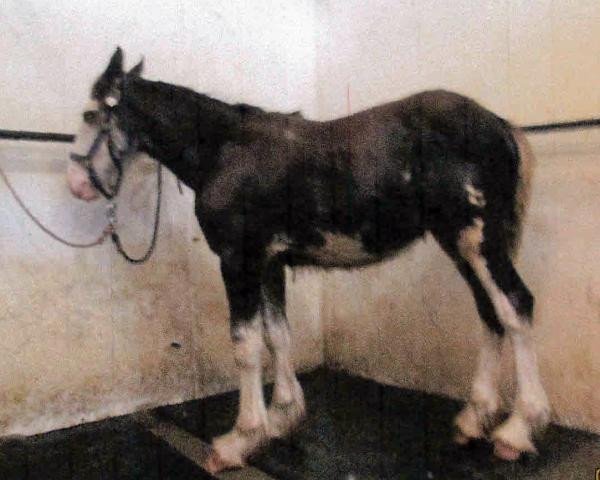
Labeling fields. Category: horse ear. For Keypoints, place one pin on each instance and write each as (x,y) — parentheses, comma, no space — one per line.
(106,81)
(137,70)
(115,66)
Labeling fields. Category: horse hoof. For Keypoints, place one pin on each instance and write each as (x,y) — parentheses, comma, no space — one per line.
(231,449)
(505,451)
(467,426)
(283,419)
(215,464)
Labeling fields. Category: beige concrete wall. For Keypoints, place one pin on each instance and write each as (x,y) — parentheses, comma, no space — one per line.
(84,335)
(411,321)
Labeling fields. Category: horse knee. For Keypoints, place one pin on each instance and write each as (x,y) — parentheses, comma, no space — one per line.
(247,344)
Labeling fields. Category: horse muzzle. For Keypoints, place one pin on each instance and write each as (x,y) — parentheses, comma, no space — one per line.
(79,183)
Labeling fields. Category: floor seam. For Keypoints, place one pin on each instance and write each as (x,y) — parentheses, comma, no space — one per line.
(193,448)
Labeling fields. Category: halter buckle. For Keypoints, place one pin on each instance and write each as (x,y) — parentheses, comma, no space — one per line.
(111,213)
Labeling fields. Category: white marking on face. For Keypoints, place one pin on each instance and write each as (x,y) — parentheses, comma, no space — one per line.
(406,176)
(112,100)
(119,138)
(77,177)
(476,196)
(79,183)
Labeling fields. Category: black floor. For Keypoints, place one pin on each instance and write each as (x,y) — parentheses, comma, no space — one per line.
(359,429)
(113,449)
(356,429)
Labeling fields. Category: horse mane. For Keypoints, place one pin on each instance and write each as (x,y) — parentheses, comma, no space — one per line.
(247,109)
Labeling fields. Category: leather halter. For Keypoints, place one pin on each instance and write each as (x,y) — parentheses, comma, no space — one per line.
(117,157)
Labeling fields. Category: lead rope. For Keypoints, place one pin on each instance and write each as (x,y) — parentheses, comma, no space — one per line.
(111,212)
(99,241)
(112,221)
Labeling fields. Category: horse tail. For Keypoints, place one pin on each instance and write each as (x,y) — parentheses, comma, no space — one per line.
(526,165)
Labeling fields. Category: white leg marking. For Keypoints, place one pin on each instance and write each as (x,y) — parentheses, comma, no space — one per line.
(477,415)
(531,408)
(247,353)
(469,246)
(287,406)
(250,432)
(531,397)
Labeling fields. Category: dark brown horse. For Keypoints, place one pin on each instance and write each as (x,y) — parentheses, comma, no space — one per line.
(275,190)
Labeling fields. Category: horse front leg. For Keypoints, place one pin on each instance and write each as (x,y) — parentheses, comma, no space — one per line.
(242,282)
(287,407)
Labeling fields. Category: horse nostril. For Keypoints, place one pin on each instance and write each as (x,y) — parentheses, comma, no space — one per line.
(83,191)
(88,195)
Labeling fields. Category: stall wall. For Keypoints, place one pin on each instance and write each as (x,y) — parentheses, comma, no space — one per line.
(83,334)
(411,321)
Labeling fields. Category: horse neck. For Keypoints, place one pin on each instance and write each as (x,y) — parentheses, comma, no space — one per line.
(180,128)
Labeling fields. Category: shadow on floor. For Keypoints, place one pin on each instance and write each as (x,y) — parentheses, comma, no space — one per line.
(112,449)
(356,429)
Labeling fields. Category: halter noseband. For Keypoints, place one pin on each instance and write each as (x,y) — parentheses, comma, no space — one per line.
(87,160)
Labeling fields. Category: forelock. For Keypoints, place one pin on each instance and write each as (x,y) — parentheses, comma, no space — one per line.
(101,88)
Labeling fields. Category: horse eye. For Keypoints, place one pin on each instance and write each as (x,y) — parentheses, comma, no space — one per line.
(90,117)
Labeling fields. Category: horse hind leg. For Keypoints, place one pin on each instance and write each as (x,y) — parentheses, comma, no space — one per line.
(481,411)
(531,411)
(287,406)
(513,305)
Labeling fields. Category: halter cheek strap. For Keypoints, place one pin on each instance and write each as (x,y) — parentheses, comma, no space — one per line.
(86,161)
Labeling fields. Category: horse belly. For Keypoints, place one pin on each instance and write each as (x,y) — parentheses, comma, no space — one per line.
(340,251)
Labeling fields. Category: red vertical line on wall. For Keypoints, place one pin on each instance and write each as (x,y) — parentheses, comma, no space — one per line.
(348,105)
